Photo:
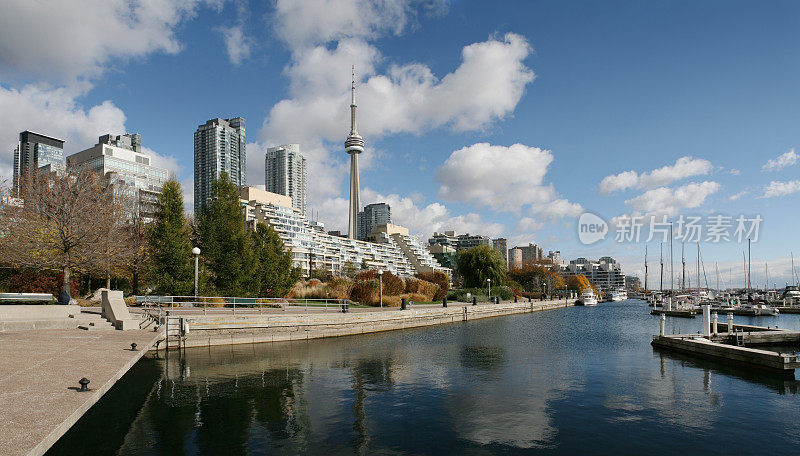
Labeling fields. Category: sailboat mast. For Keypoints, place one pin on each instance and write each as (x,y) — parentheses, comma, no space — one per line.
(645,268)
(661,284)
(716,267)
(683,269)
(671,269)
(698,272)
(749,282)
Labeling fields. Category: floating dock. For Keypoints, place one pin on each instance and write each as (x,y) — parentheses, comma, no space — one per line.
(737,346)
(682,313)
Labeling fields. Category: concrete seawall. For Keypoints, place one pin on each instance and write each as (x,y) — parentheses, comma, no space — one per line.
(223,330)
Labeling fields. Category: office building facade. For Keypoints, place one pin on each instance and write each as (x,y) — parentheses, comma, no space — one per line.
(120,161)
(285,174)
(36,151)
(219,146)
(372,216)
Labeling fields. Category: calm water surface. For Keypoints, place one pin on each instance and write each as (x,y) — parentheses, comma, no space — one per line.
(571,381)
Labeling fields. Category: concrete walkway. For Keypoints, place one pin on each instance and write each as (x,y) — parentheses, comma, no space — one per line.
(39,373)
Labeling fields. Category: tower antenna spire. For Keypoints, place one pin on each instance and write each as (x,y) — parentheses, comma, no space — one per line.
(353,86)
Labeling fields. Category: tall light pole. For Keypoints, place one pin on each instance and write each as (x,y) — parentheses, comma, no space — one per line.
(380,286)
(489,281)
(196,253)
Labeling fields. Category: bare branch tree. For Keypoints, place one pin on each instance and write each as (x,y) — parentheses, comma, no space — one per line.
(64,223)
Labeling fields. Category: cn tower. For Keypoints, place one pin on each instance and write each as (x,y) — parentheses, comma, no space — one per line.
(353,145)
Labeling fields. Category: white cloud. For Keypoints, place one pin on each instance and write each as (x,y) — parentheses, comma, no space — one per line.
(781,188)
(237,44)
(77,39)
(734,172)
(556,209)
(782,161)
(490,176)
(683,168)
(304,23)
(669,201)
(736,196)
(621,181)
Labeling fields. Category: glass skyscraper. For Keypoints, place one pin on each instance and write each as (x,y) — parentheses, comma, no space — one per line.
(285,174)
(35,151)
(219,145)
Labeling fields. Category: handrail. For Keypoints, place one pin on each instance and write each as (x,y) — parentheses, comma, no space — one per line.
(209,303)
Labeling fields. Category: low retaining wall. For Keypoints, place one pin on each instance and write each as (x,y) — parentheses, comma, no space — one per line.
(224,330)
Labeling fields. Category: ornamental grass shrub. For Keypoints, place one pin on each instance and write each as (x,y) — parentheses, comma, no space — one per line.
(439,278)
(365,292)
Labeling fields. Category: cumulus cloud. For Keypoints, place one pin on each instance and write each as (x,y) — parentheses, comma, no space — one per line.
(781,188)
(556,209)
(77,39)
(237,44)
(736,196)
(683,168)
(305,23)
(489,175)
(669,201)
(780,162)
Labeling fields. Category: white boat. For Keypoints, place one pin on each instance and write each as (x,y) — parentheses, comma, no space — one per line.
(619,295)
(588,298)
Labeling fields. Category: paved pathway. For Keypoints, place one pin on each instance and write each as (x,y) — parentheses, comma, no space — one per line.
(39,373)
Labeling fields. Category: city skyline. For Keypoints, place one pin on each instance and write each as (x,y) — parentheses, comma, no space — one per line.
(664,123)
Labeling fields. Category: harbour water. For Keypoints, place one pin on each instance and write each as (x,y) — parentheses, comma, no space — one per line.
(581,380)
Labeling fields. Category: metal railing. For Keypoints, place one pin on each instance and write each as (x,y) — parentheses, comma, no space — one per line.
(233,304)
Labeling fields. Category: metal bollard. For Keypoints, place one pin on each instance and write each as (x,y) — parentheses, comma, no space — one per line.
(84,382)
(402,303)
(529,299)
(133,346)
(661,325)
(730,323)
(474,301)
(714,320)
(515,298)
(444,302)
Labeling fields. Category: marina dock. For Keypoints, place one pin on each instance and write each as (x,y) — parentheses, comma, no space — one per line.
(738,346)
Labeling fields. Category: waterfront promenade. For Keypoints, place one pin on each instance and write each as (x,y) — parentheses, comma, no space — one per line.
(39,374)
(40,369)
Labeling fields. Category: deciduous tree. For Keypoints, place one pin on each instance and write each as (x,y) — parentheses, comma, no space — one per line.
(479,263)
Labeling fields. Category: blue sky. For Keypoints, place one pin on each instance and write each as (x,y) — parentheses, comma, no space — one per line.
(585,90)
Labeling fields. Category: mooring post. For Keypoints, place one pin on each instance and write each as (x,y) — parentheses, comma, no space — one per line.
(707,321)
(662,324)
(730,323)
(714,321)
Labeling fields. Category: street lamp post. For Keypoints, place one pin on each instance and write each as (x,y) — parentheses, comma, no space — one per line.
(489,281)
(544,287)
(196,253)
(380,286)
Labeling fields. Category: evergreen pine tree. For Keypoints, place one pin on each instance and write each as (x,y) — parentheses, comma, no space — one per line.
(170,244)
(274,275)
(225,242)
